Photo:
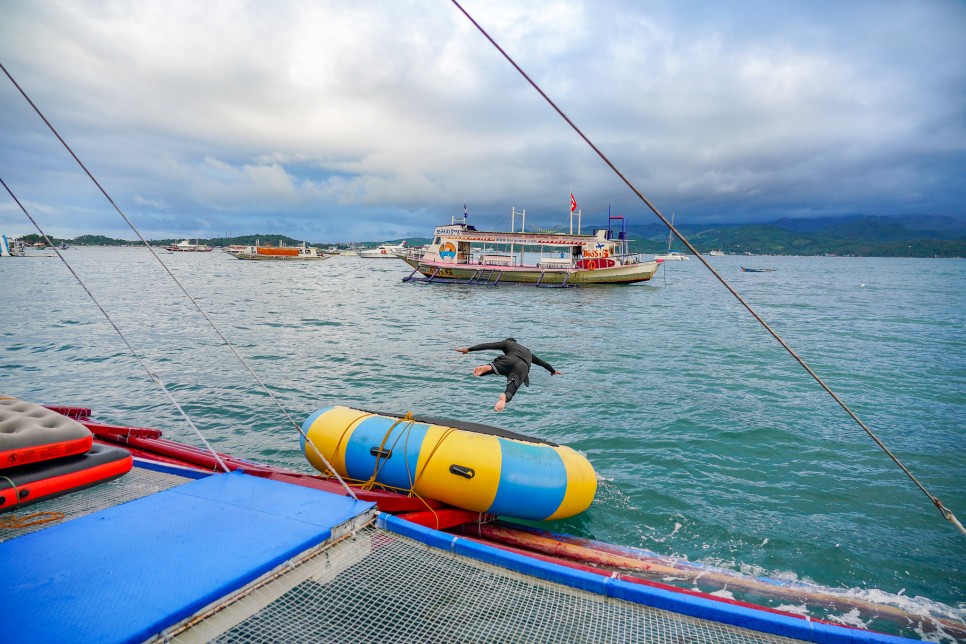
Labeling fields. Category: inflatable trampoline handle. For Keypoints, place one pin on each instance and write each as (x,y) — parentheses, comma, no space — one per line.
(459,470)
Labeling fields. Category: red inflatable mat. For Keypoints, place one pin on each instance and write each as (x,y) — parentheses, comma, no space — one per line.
(31,433)
(28,484)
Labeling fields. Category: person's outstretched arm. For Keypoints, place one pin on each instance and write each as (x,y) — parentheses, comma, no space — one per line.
(546,365)
(487,346)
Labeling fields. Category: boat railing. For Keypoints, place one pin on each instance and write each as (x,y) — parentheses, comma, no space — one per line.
(555,262)
(480,277)
(498,259)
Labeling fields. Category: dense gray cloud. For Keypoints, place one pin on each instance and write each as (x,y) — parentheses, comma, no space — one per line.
(335,121)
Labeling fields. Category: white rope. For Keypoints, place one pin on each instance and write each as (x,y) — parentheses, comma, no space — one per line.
(176,281)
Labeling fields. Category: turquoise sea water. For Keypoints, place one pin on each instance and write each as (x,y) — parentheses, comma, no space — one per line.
(711,443)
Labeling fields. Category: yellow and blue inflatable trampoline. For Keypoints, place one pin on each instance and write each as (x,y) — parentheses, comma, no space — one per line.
(467,465)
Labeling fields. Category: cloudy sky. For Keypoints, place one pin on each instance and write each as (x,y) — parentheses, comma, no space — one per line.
(336,120)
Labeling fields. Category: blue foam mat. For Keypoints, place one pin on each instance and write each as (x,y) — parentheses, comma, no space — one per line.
(125,573)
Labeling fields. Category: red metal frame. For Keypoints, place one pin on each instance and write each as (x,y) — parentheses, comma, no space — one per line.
(149,443)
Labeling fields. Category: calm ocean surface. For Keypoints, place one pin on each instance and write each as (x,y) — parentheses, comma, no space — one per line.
(711,443)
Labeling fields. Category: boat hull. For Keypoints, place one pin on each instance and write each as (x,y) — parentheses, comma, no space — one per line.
(473,467)
(279,258)
(378,255)
(277,253)
(443,271)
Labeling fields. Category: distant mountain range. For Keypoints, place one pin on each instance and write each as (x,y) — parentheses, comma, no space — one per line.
(863,236)
(860,236)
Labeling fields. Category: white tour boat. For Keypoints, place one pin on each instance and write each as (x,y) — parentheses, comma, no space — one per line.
(385,251)
(461,253)
(185,246)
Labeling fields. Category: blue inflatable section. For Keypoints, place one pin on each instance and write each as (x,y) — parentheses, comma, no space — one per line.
(405,441)
(533,481)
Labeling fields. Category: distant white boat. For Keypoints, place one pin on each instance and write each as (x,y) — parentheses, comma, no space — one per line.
(185,246)
(717,253)
(671,255)
(385,251)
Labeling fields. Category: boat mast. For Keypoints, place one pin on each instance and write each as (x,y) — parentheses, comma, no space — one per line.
(513,225)
(670,233)
(523,229)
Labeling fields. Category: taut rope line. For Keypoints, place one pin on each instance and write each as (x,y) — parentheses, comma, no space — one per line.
(945,511)
(211,322)
(153,376)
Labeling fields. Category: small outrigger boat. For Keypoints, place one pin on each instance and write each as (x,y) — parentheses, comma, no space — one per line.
(462,254)
(281,253)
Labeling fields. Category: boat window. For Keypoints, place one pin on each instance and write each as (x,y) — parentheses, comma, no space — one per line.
(436,241)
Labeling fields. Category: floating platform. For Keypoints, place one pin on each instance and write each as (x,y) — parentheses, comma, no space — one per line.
(467,465)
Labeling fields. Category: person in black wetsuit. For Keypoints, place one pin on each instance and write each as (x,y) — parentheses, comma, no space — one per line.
(514,364)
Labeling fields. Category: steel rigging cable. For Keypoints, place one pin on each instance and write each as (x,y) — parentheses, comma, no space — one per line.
(943,509)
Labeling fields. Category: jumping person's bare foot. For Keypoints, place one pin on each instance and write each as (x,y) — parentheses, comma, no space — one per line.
(482,369)
(500,404)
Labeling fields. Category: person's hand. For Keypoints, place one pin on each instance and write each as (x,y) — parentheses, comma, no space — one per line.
(500,404)
(463,350)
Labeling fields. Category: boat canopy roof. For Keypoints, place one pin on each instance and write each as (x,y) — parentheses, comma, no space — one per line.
(533,239)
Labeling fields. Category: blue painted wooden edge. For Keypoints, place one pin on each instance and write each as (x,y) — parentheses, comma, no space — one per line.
(176,470)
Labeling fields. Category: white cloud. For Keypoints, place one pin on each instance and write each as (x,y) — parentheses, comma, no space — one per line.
(230,110)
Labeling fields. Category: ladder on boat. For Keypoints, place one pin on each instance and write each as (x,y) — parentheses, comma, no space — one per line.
(481,277)
(412,276)
(485,277)
(562,284)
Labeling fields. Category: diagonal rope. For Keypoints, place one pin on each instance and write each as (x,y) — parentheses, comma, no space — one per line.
(211,322)
(945,511)
(153,376)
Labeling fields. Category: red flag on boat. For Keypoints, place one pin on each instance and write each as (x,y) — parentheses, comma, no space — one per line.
(573,203)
